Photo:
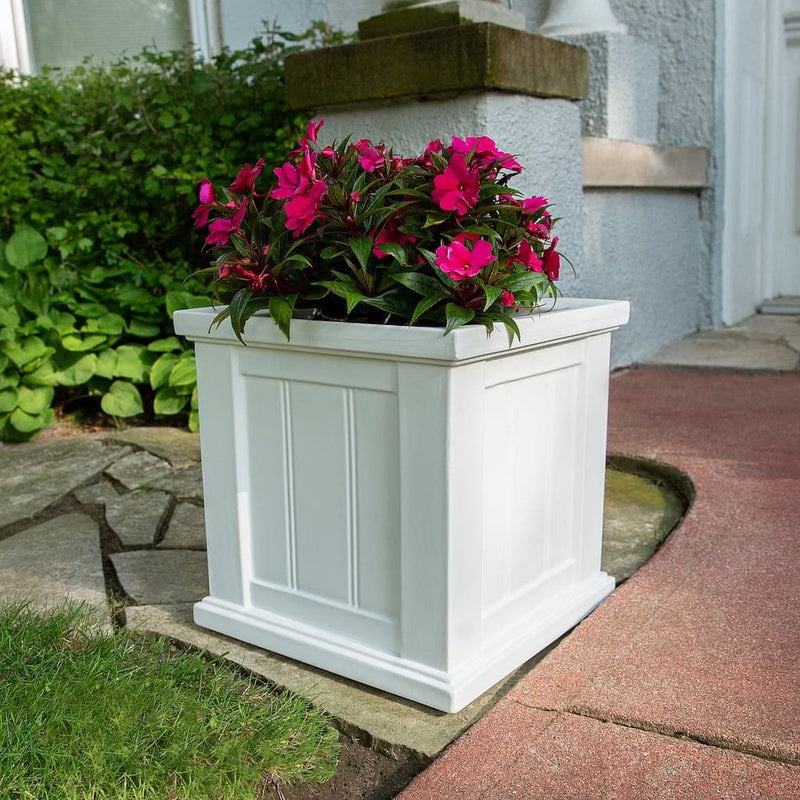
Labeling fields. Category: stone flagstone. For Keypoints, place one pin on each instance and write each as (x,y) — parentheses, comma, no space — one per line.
(54,561)
(153,577)
(184,483)
(139,469)
(35,475)
(187,528)
(138,516)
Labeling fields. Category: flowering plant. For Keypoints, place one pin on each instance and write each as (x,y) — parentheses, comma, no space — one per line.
(356,233)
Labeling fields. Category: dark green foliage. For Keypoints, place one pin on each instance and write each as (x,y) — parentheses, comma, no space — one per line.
(98,179)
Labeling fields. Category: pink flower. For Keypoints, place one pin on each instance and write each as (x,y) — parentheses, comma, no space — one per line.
(301,210)
(391,234)
(207,194)
(552,260)
(507,298)
(458,261)
(247,177)
(533,204)
(527,256)
(219,231)
(200,216)
(312,131)
(370,159)
(458,187)
(290,181)
(486,153)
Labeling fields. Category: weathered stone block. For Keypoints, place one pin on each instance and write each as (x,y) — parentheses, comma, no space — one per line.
(441,62)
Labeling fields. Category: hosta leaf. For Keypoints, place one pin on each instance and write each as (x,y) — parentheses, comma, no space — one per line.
(106,364)
(168,401)
(122,400)
(78,372)
(168,345)
(184,373)
(176,300)
(159,372)
(133,362)
(35,400)
(30,423)
(24,351)
(141,329)
(82,342)
(8,400)
(25,247)
(45,374)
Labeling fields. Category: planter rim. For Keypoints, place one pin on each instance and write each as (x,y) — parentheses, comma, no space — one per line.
(571,318)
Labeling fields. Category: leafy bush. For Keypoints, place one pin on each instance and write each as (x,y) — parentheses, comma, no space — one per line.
(97,184)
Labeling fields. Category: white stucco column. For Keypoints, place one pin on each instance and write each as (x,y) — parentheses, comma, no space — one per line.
(408,16)
(578,17)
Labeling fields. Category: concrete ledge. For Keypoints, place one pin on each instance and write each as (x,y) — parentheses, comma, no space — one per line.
(611,163)
(444,61)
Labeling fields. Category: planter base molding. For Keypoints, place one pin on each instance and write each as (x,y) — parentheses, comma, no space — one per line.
(417,512)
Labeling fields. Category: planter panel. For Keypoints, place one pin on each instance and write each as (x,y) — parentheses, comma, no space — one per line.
(388,508)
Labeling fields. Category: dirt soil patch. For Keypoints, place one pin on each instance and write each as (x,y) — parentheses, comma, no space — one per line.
(362,774)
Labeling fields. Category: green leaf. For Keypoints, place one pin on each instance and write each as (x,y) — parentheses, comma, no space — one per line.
(25,247)
(280,309)
(159,372)
(331,252)
(8,400)
(184,373)
(45,374)
(141,329)
(35,400)
(25,351)
(106,366)
(167,401)
(425,304)
(110,324)
(133,362)
(167,345)
(30,423)
(522,281)
(492,293)
(394,302)
(361,249)
(82,342)
(122,400)
(421,284)
(457,316)
(79,371)
(177,300)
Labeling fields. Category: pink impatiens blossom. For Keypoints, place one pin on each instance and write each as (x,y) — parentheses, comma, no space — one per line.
(552,260)
(247,177)
(301,210)
(370,159)
(290,181)
(534,204)
(458,261)
(458,187)
(527,256)
(220,230)
(391,234)
(207,193)
(507,298)
(486,153)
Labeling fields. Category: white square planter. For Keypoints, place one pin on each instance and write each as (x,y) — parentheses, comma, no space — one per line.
(383,502)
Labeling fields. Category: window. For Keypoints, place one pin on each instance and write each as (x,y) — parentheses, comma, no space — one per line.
(61,33)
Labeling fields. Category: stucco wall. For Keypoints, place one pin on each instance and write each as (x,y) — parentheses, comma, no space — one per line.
(543,134)
(646,245)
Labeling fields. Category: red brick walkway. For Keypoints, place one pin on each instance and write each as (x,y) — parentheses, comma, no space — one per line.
(685,683)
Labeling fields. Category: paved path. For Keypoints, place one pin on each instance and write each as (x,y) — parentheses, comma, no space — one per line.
(685,683)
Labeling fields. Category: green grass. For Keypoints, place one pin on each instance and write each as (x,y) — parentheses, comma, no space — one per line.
(87,716)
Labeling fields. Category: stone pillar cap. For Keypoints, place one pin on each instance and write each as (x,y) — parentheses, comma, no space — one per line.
(440,62)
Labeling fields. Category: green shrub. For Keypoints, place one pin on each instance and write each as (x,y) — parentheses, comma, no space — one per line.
(98,180)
